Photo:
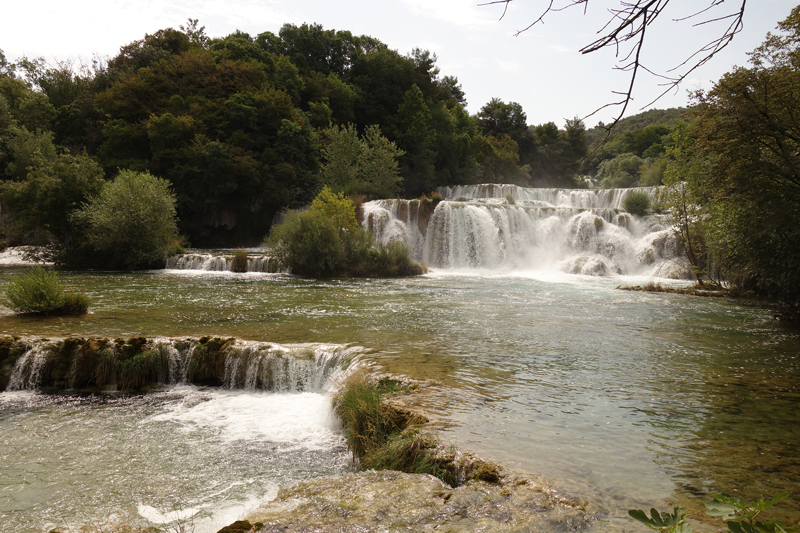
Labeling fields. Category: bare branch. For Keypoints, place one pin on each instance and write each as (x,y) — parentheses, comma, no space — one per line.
(625,31)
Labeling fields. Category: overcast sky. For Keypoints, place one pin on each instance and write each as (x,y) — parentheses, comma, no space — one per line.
(541,69)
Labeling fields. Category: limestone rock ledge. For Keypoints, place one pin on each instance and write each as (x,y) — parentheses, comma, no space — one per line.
(394,501)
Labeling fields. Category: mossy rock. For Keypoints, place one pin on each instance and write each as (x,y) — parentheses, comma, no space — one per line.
(240,526)
(130,348)
(207,364)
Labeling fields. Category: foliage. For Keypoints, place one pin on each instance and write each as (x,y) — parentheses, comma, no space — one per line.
(740,516)
(39,291)
(620,172)
(664,522)
(366,165)
(747,145)
(326,241)
(685,200)
(45,199)
(131,222)
(636,203)
(239,261)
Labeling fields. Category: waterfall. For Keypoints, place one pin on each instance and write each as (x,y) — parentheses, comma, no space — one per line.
(100,363)
(28,370)
(582,231)
(220,262)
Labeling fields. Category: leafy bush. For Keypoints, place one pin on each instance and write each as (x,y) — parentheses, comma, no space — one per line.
(131,223)
(39,291)
(326,240)
(636,203)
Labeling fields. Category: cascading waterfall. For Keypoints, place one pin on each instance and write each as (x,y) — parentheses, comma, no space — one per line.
(219,262)
(255,366)
(514,228)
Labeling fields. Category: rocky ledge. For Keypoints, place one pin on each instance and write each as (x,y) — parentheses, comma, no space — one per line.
(394,501)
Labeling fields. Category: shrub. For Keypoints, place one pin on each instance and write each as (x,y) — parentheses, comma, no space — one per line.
(636,203)
(239,263)
(326,240)
(39,291)
(131,224)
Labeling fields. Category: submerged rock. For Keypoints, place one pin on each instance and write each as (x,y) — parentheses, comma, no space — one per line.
(394,501)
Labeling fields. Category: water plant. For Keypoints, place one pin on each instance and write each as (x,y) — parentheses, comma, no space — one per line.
(40,291)
(636,203)
(239,262)
(384,437)
(739,515)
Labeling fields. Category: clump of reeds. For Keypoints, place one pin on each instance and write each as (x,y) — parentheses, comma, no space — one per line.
(383,437)
(40,291)
(239,262)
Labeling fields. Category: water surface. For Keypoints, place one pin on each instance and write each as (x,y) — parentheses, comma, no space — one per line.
(620,398)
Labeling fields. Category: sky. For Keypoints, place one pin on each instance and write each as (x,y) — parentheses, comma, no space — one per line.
(541,69)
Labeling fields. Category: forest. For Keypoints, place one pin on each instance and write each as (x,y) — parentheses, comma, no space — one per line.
(244,126)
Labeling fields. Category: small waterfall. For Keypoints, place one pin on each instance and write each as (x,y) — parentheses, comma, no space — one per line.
(514,228)
(220,262)
(258,366)
(136,363)
(28,370)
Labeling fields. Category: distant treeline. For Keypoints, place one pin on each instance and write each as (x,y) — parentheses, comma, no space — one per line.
(240,126)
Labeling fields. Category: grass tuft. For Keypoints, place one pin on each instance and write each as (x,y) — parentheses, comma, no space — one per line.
(636,203)
(383,437)
(40,291)
(239,262)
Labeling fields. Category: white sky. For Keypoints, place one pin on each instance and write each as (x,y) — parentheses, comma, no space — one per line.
(541,69)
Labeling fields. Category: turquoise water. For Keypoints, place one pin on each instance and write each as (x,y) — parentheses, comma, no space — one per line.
(623,399)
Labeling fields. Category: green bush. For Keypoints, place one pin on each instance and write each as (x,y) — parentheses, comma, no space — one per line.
(326,240)
(131,224)
(39,291)
(636,203)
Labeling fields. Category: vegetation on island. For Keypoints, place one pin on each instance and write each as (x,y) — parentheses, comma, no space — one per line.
(326,240)
(40,291)
(382,436)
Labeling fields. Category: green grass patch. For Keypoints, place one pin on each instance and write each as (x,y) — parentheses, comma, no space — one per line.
(384,437)
(40,291)
(239,262)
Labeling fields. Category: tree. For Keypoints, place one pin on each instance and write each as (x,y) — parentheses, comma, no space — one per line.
(131,223)
(749,138)
(626,30)
(365,165)
(45,200)
(622,171)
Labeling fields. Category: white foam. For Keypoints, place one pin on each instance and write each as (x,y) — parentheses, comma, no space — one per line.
(303,419)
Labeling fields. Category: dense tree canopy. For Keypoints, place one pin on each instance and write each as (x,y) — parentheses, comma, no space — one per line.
(242,127)
(748,138)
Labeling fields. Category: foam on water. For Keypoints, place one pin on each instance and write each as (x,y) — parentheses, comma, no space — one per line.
(305,419)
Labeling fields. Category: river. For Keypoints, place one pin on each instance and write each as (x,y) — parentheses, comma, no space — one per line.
(623,399)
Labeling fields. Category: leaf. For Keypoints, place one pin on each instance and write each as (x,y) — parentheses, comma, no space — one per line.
(737,527)
(725,506)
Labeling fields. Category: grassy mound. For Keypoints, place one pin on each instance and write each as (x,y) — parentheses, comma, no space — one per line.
(40,291)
